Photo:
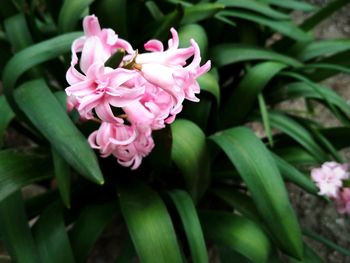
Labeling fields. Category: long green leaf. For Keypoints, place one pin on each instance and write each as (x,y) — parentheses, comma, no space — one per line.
(70,13)
(17,32)
(309,257)
(322,48)
(44,111)
(196,32)
(247,92)
(208,83)
(323,13)
(191,224)
(293,4)
(226,54)
(299,133)
(32,56)
(189,152)
(256,6)
(286,28)
(89,226)
(62,175)
(237,233)
(148,220)
(51,237)
(200,11)
(6,116)
(292,174)
(265,184)
(20,169)
(15,232)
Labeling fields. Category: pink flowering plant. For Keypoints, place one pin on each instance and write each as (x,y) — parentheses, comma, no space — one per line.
(163,125)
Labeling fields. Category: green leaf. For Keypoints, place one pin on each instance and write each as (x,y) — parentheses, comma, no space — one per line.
(265,184)
(196,32)
(62,175)
(189,152)
(322,48)
(15,232)
(286,28)
(296,155)
(293,4)
(200,11)
(20,169)
(32,56)
(322,14)
(153,8)
(17,32)
(42,108)
(309,256)
(70,13)
(247,92)
(208,83)
(303,90)
(265,118)
(170,20)
(6,117)
(89,226)
(148,220)
(226,54)
(106,11)
(51,237)
(300,134)
(256,6)
(292,174)
(191,225)
(237,233)
(239,201)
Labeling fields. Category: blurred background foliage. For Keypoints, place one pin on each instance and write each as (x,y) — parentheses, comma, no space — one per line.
(213,185)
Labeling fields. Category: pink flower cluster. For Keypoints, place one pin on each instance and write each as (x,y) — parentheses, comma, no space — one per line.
(329,179)
(141,94)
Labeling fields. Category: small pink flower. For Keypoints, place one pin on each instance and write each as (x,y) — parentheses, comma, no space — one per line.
(342,201)
(329,178)
(125,142)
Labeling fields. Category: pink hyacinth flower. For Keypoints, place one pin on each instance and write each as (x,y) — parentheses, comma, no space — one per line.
(329,178)
(342,201)
(167,69)
(125,142)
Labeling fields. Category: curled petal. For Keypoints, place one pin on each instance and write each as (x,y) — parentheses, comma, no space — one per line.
(91,26)
(154,45)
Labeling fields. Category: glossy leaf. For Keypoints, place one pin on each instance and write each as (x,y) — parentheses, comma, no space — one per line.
(208,83)
(147,219)
(237,233)
(196,32)
(265,184)
(256,6)
(51,237)
(89,226)
(190,221)
(20,169)
(200,12)
(226,54)
(70,13)
(189,152)
(247,92)
(62,175)
(286,28)
(44,111)
(15,231)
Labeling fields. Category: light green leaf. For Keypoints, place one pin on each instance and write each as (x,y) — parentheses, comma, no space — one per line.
(70,13)
(196,32)
(247,92)
(44,111)
(15,232)
(20,169)
(51,237)
(237,233)
(293,4)
(265,184)
(89,226)
(200,11)
(191,225)
(208,83)
(225,54)
(147,219)
(286,28)
(256,6)
(189,152)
